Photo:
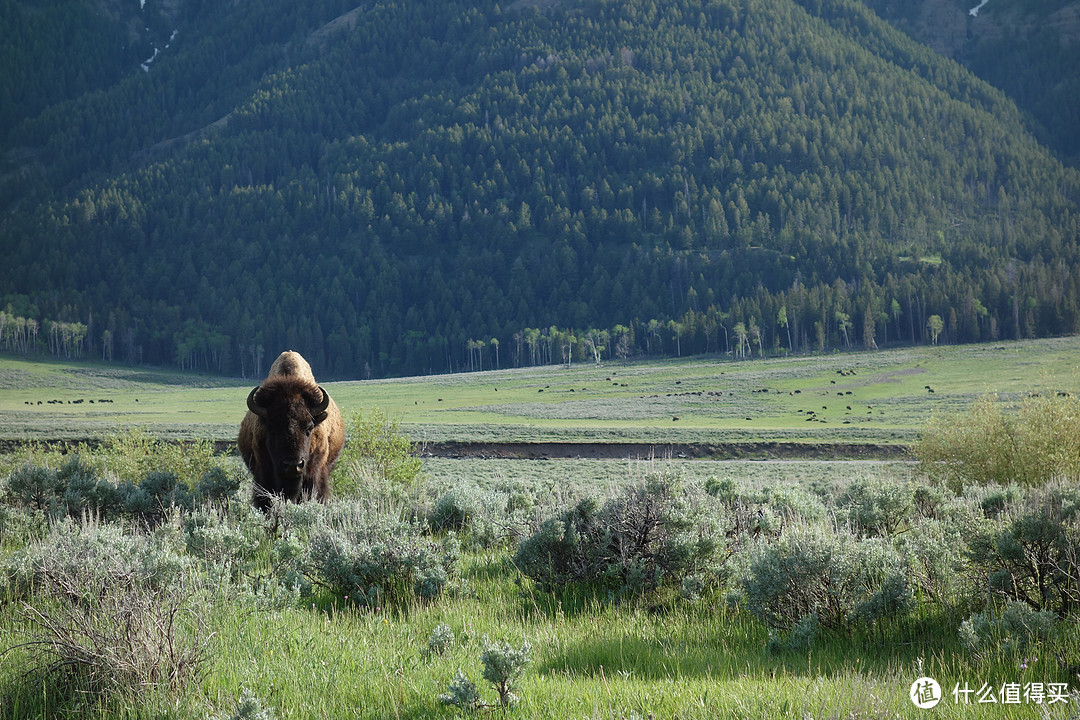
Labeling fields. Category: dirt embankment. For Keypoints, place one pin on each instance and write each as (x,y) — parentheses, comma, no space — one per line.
(605,450)
(645,451)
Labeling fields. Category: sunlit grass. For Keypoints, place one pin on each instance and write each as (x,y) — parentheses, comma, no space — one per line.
(877,397)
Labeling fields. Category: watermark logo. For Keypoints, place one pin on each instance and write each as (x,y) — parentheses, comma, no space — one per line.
(925,693)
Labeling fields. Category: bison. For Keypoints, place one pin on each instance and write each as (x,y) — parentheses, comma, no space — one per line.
(292,434)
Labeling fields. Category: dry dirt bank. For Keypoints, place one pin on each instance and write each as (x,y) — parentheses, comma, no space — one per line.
(609,451)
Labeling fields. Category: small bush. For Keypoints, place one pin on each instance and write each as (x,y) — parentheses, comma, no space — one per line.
(441,640)
(377,454)
(998,500)
(933,555)
(503,666)
(19,526)
(82,489)
(877,507)
(250,707)
(223,542)
(371,557)
(991,443)
(217,487)
(1010,629)
(453,511)
(462,693)
(135,453)
(109,613)
(35,486)
(654,534)
(1033,555)
(834,578)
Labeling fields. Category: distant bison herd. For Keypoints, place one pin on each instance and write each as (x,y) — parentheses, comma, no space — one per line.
(80,401)
(291,435)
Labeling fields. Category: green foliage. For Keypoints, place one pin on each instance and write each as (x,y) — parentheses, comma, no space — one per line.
(454,510)
(1010,629)
(34,486)
(1032,554)
(81,488)
(108,613)
(217,486)
(255,583)
(462,693)
(877,507)
(655,534)
(135,453)
(249,707)
(1030,445)
(812,577)
(374,559)
(225,543)
(933,556)
(503,666)
(377,457)
(441,640)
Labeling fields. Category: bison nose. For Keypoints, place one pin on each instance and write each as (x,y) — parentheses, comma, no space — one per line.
(295,464)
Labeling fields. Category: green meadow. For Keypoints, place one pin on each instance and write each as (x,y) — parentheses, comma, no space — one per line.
(856,397)
(269,628)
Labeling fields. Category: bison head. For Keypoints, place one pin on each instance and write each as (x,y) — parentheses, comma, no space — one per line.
(289,412)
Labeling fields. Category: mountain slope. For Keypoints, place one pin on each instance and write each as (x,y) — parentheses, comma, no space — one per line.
(1031,50)
(390,192)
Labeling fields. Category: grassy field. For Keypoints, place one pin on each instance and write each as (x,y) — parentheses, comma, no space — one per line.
(858,397)
(594,656)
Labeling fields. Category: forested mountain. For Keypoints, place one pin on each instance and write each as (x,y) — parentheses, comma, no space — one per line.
(1028,48)
(407,187)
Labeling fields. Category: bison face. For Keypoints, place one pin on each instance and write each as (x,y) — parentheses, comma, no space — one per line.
(289,418)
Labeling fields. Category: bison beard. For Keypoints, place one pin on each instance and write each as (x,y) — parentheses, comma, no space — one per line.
(290,439)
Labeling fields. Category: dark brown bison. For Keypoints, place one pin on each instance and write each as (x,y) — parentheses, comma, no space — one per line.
(292,434)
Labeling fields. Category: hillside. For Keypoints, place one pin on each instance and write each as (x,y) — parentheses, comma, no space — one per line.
(421,187)
(1031,50)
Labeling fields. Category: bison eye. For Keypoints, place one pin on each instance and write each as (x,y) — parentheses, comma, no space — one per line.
(310,427)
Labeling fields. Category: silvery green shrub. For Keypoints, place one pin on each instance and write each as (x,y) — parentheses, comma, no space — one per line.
(654,534)
(369,555)
(249,707)
(792,503)
(454,510)
(116,612)
(80,489)
(95,555)
(462,693)
(877,507)
(1032,554)
(35,486)
(933,555)
(216,486)
(221,541)
(1009,629)
(20,525)
(833,576)
(503,665)
(799,638)
(441,640)
(482,516)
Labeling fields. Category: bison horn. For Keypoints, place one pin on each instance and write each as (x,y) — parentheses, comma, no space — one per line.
(325,403)
(253,405)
